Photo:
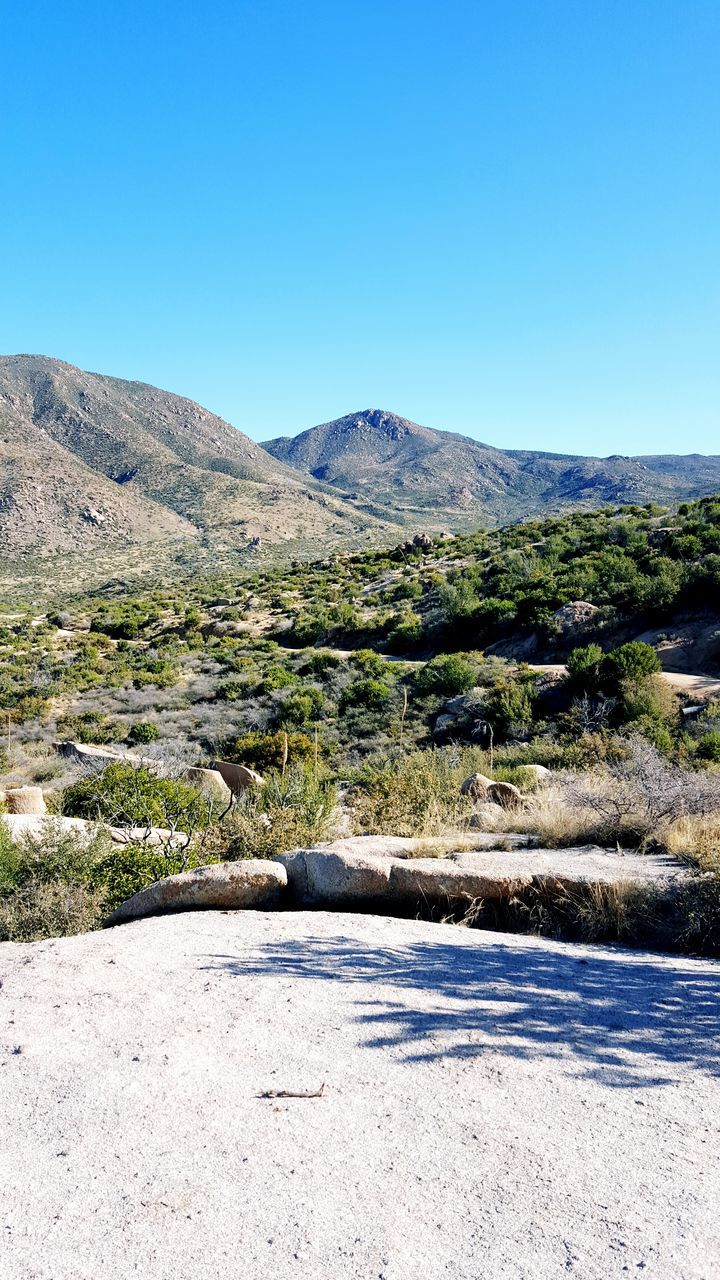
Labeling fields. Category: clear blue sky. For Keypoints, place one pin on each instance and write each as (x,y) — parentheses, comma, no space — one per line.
(497,216)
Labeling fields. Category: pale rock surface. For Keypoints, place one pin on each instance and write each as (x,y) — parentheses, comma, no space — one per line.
(237,776)
(225,886)
(210,782)
(495,1107)
(381,870)
(24,800)
(38,826)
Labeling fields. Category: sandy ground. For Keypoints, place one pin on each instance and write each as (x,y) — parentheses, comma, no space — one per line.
(683,681)
(495,1106)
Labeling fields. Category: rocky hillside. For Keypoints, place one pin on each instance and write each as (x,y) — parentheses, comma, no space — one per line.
(88,461)
(439,477)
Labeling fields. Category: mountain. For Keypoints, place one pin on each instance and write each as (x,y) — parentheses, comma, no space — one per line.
(442,478)
(88,461)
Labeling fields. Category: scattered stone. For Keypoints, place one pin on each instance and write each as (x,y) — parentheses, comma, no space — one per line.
(476,786)
(225,886)
(504,794)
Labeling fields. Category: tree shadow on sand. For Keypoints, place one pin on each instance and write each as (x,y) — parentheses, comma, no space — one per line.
(623,1018)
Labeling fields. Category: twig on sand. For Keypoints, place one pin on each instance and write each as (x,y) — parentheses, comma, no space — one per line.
(289,1093)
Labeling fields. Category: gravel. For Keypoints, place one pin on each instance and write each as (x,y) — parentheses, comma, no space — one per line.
(494,1106)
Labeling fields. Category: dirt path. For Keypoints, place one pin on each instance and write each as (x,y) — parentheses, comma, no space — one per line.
(703,686)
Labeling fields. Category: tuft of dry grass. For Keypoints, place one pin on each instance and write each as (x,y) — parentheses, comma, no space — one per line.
(696,839)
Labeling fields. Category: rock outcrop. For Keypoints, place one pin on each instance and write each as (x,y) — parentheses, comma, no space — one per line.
(211,783)
(225,886)
(237,776)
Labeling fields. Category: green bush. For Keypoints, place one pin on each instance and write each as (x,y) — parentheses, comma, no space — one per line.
(90,726)
(709,747)
(49,885)
(447,675)
(301,708)
(266,751)
(370,693)
(142,732)
(276,677)
(632,661)
(122,796)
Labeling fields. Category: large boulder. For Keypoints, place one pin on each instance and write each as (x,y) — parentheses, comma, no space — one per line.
(98,758)
(574,618)
(539,772)
(226,886)
(504,794)
(444,724)
(211,783)
(237,776)
(476,786)
(324,878)
(452,882)
(24,800)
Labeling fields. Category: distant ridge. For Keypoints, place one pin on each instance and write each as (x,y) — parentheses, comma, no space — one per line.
(452,479)
(93,461)
(90,462)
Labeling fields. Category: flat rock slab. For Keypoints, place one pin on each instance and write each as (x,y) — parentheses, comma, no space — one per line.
(229,886)
(37,826)
(341,874)
(494,1106)
(435,846)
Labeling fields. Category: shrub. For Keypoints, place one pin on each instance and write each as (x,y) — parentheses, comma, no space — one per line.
(90,726)
(301,708)
(290,811)
(49,885)
(368,661)
(633,661)
(583,667)
(369,693)
(417,794)
(142,732)
(641,794)
(709,747)
(406,632)
(266,751)
(276,677)
(447,675)
(122,796)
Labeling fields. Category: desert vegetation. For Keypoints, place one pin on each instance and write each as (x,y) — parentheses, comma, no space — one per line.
(364,689)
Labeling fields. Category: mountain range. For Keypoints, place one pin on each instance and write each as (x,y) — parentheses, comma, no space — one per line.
(425,475)
(89,461)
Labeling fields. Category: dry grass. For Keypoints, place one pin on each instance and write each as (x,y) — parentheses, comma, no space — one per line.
(696,839)
(546,816)
(50,910)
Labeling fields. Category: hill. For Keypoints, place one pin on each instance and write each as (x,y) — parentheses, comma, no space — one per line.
(440,478)
(89,461)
